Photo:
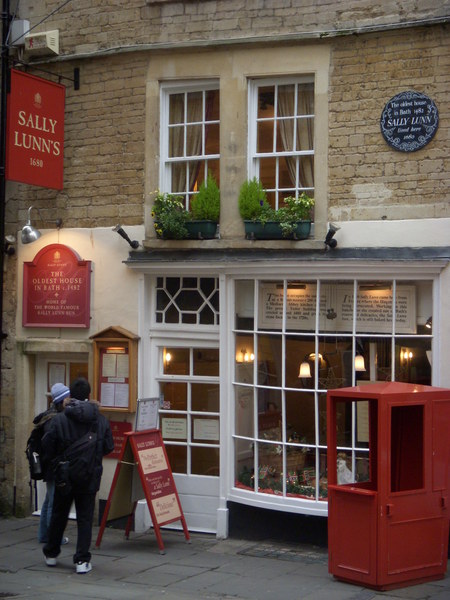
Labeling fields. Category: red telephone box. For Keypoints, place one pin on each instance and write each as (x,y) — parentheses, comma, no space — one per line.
(388,507)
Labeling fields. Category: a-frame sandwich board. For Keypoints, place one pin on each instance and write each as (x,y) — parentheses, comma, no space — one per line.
(144,453)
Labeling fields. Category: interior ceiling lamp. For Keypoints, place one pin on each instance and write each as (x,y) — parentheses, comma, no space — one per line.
(359,363)
(305,370)
(119,229)
(330,242)
(429,323)
(31,234)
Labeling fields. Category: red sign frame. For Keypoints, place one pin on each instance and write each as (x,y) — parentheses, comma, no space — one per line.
(56,289)
(35,131)
(145,451)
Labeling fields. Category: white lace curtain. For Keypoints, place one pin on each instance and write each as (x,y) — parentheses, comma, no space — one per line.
(301,128)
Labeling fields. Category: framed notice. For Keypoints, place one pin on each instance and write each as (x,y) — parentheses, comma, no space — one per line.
(115,369)
(147,415)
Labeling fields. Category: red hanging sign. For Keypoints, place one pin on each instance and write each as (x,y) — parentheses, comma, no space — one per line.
(35,131)
(56,289)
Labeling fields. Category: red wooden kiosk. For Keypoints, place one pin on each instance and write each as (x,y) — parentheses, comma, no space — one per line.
(390,528)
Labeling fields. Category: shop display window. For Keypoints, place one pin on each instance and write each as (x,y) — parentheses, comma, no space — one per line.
(300,339)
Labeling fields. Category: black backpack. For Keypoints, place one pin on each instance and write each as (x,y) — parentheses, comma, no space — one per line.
(33,452)
(76,466)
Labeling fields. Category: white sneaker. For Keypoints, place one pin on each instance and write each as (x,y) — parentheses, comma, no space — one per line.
(50,562)
(64,541)
(84,567)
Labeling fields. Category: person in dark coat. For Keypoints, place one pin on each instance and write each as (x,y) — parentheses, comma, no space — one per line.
(59,393)
(65,428)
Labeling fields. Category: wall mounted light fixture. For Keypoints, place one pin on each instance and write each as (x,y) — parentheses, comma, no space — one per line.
(429,323)
(119,229)
(10,243)
(330,242)
(31,234)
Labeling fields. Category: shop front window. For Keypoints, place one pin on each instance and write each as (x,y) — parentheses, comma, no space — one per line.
(294,340)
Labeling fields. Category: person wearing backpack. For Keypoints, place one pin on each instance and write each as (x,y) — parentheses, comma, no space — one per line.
(80,422)
(59,393)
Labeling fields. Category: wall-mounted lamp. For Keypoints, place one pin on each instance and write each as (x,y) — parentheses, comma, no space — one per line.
(330,242)
(429,323)
(31,234)
(119,229)
(10,242)
(244,356)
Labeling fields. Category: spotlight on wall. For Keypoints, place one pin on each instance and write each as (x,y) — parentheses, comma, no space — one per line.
(10,242)
(330,242)
(429,323)
(31,234)
(119,229)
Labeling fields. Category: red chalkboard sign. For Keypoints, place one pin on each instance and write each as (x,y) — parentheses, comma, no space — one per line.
(145,452)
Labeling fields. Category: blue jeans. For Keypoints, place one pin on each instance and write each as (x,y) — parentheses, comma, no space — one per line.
(46,513)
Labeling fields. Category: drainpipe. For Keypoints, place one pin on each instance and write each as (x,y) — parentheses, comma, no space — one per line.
(6,19)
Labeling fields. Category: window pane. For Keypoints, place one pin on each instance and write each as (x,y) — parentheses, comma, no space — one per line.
(300,418)
(177,456)
(269,468)
(374,307)
(205,461)
(175,396)
(264,136)
(176,108)
(269,360)
(266,95)
(206,361)
(176,141)
(412,360)
(176,361)
(298,350)
(244,412)
(205,430)
(212,140)
(244,461)
(205,397)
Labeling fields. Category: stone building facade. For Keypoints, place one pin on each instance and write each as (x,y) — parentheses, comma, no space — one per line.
(391,210)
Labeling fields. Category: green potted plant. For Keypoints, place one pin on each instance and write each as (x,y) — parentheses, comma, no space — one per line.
(261,221)
(205,210)
(170,216)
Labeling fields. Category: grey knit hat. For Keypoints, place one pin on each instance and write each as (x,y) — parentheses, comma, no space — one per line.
(59,391)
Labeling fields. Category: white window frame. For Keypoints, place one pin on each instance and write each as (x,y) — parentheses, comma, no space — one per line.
(252,154)
(166,90)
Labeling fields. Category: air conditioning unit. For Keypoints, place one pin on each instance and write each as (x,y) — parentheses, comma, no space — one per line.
(42,44)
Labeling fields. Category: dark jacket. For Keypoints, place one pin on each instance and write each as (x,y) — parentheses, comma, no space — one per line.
(42,421)
(70,425)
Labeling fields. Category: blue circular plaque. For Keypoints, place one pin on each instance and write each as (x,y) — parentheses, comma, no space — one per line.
(409,121)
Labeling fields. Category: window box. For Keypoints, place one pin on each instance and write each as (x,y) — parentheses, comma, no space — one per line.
(271,230)
(201,229)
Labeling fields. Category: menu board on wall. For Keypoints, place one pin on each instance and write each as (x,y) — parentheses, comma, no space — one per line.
(374,308)
(114,377)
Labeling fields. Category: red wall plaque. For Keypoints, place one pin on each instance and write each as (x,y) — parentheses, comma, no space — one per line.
(56,289)
(35,131)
